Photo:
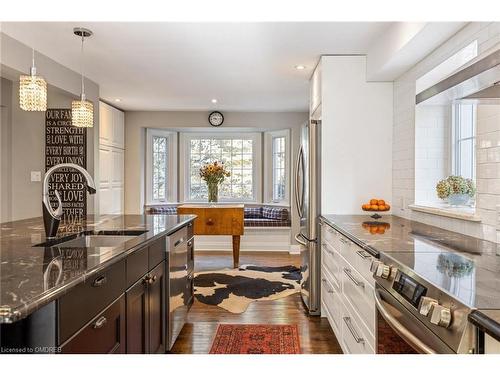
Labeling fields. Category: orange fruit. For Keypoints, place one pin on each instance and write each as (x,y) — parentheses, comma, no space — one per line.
(373,230)
(381,202)
(374,207)
(381,230)
(387,207)
(373,201)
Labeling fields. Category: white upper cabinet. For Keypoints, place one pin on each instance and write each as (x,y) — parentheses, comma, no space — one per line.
(111,159)
(111,126)
(315,89)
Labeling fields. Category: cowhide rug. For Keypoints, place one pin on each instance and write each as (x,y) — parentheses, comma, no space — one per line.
(235,289)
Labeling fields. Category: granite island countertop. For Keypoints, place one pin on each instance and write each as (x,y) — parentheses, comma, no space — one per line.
(26,282)
(427,250)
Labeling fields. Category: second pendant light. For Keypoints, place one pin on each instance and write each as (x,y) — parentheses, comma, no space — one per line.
(82,111)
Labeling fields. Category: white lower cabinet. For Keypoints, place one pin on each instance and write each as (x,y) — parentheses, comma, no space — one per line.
(347,292)
(356,337)
(330,297)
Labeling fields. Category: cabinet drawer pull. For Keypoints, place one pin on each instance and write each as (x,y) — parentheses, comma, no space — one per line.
(190,243)
(363,254)
(354,334)
(99,281)
(179,241)
(153,279)
(356,282)
(210,221)
(100,322)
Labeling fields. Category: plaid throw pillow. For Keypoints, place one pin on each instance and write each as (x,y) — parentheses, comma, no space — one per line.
(275,213)
(253,212)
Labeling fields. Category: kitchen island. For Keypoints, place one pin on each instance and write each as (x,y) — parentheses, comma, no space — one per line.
(466,268)
(63,294)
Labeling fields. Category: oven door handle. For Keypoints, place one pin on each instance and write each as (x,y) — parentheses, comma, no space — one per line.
(399,328)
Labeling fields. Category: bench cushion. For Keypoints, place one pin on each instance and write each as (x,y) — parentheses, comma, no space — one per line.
(262,222)
(165,210)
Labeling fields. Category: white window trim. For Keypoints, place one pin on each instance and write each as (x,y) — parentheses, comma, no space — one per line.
(185,138)
(172,166)
(455,139)
(268,163)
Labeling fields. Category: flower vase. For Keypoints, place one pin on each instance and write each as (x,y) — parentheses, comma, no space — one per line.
(213,192)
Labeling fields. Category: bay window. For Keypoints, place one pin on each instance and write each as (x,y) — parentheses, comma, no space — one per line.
(240,153)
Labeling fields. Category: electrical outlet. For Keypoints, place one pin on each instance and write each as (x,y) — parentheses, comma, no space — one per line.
(36,176)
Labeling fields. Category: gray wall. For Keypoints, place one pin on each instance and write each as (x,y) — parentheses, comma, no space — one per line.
(5,149)
(24,133)
(137,121)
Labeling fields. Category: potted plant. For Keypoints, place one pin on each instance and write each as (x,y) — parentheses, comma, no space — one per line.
(457,189)
(213,174)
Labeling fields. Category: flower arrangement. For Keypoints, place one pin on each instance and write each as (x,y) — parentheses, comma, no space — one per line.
(456,188)
(214,174)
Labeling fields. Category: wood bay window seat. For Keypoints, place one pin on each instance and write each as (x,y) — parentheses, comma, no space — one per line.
(267,228)
(256,217)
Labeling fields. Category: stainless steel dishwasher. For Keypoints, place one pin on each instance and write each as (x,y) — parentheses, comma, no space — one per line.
(180,255)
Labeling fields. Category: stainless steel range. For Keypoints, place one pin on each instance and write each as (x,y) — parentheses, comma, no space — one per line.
(413,314)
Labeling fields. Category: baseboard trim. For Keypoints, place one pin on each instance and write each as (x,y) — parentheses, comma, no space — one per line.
(254,240)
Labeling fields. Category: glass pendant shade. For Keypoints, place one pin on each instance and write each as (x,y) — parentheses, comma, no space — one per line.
(82,113)
(32,92)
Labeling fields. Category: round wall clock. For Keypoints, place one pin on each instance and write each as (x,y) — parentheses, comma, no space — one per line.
(215,118)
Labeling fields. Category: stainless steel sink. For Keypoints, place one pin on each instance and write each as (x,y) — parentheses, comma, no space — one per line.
(105,238)
(96,241)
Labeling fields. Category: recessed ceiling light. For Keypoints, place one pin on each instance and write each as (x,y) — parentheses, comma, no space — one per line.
(300,67)
(214,101)
(118,100)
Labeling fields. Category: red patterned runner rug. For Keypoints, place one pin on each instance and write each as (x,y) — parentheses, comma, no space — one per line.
(256,339)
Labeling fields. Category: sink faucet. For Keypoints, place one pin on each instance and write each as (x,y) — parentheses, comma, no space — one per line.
(51,217)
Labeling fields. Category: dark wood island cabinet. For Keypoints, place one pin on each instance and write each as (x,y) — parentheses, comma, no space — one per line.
(123,308)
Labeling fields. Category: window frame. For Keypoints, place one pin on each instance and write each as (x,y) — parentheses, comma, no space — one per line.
(172,167)
(185,139)
(457,139)
(269,137)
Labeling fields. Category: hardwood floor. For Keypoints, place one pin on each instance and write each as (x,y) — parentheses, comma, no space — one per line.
(316,335)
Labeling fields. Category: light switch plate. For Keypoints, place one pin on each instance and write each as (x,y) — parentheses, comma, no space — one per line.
(36,176)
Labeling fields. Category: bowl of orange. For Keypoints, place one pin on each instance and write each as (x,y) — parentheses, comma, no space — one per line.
(376,205)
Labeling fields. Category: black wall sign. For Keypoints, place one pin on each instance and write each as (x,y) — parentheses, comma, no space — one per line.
(65,143)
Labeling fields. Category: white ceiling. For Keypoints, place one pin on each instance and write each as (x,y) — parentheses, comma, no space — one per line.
(182,66)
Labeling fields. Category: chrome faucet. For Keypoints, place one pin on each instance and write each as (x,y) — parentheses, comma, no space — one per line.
(51,217)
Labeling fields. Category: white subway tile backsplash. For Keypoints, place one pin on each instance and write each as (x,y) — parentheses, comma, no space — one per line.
(410,160)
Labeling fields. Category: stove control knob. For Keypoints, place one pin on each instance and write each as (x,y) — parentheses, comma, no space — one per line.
(426,305)
(383,271)
(441,316)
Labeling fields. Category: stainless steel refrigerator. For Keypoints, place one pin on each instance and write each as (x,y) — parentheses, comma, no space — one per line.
(307,199)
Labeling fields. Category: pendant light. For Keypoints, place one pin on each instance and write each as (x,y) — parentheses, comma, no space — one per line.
(82,111)
(32,90)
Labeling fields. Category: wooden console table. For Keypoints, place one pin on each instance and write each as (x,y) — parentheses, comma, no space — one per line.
(218,220)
